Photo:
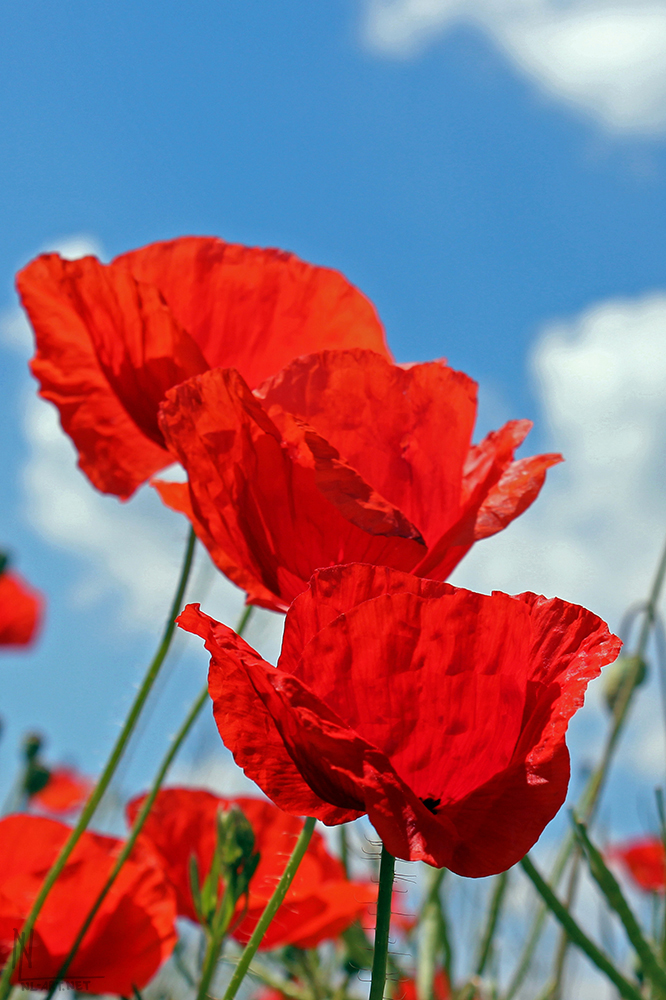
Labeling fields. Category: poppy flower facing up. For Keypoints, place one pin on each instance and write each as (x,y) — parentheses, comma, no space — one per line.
(321,901)
(438,712)
(645,861)
(132,934)
(21,610)
(341,457)
(112,338)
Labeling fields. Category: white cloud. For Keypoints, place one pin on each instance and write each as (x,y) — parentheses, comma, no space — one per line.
(605,57)
(595,533)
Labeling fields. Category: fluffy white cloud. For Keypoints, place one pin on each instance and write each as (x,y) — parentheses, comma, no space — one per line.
(606,57)
(595,534)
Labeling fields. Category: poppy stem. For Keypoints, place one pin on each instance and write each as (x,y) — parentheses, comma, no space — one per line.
(271,908)
(142,816)
(625,988)
(382,926)
(112,763)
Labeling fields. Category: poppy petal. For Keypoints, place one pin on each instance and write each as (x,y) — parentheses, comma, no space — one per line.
(290,724)
(247,728)
(405,430)
(263,509)
(496,490)
(129,938)
(335,591)
(65,301)
(255,309)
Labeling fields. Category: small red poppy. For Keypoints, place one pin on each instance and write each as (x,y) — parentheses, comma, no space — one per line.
(112,338)
(405,989)
(341,457)
(132,934)
(321,901)
(438,712)
(21,610)
(645,860)
(65,790)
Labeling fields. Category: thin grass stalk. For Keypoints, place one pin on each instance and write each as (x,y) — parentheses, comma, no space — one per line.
(577,935)
(106,776)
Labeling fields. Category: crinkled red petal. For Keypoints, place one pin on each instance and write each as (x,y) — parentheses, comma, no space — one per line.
(254,498)
(406,431)
(255,309)
(132,934)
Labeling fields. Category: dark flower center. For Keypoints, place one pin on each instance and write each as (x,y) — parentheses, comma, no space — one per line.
(431,804)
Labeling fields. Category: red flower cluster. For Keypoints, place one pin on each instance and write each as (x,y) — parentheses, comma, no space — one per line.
(341,457)
(132,934)
(321,901)
(21,610)
(111,339)
(645,861)
(438,712)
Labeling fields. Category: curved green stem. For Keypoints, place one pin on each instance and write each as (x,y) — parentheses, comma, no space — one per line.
(382,927)
(109,770)
(271,909)
(577,936)
(142,816)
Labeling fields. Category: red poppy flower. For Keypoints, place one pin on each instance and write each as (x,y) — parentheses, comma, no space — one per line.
(111,339)
(321,901)
(21,610)
(405,989)
(132,934)
(438,712)
(65,790)
(341,457)
(645,860)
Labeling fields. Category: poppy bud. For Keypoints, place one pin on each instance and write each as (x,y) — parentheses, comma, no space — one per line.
(238,858)
(627,670)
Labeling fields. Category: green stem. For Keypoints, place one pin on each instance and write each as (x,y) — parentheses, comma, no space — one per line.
(271,909)
(494,911)
(142,816)
(214,946)
(344,849)
(382,926)
(590,798)
(429,936)
(109,770)
(578,936)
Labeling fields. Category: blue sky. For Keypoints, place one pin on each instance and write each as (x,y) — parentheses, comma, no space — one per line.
(492,176)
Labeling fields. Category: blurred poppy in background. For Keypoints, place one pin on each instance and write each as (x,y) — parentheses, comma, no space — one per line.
(21,608)
(321,901)
(132,934)
(644,860)
(440,713)
(112,338)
